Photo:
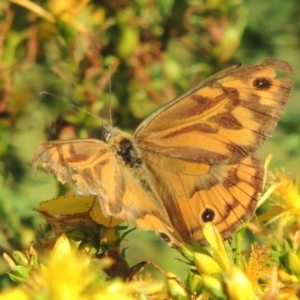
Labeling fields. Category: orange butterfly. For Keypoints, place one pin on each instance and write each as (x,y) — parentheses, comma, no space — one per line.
(190,162)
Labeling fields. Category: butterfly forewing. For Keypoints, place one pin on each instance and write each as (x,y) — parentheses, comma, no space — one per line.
(83,161)
(223,120)
(95,169)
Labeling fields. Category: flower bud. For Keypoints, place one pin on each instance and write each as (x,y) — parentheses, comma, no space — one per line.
(238,285)
(205,264)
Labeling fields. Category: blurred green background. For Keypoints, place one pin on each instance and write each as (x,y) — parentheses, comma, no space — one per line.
(156,50)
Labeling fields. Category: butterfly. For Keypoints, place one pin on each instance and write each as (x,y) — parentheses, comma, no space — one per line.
(190,162)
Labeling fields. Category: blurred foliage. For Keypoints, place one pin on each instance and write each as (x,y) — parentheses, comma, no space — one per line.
(150,51)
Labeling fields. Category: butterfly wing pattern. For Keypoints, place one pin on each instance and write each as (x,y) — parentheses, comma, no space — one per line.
(190,162)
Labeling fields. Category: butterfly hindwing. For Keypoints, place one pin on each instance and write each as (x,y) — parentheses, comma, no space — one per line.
(223,194)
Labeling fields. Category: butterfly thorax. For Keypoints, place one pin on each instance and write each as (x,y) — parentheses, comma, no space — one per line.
(123,145)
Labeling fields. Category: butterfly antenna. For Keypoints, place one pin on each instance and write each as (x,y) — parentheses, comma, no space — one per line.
(109,85)
(73,105)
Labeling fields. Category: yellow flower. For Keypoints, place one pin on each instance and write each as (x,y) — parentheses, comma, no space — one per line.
(257,267)
(292,262)
(280,286)
(287,278)
(215,241)
(176,290)
(14,293)
(73,13)
(238,285)
(205,264)
(21,264)
(284,203)
(213,287)
(221,279)
(67,273)
(70,274)
(288,191)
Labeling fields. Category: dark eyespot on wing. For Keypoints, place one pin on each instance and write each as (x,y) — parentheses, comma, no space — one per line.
(164,237)
(262,83)
(208,215)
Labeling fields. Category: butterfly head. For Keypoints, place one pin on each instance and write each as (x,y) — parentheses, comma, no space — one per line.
(109,132)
